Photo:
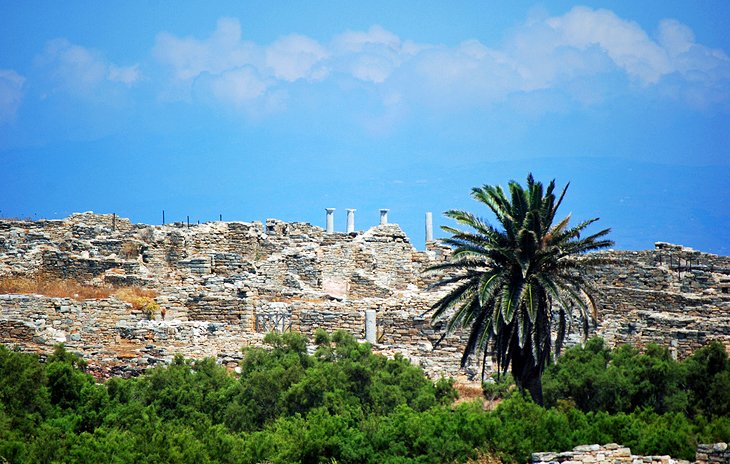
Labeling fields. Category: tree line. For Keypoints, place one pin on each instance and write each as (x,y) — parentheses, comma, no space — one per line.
(344,404)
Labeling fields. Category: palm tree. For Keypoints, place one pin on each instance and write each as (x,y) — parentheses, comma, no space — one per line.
(513,286)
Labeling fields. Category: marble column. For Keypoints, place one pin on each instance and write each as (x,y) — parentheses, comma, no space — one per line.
(350,220)
(429,227)
(330,220)
(384,216)
(370,326)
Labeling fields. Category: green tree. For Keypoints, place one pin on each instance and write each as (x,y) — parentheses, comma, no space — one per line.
(624,379)
(66,378)
(508,284)
(708,379)
(24,397)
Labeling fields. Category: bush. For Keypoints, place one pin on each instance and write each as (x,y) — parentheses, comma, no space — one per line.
(595,378)
(344,404)
(498,387)
(708,380)
(24,397)
(140,299)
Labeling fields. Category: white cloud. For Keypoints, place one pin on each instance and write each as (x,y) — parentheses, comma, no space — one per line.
(11,94)
(693,61)
(469,74)
(625,42)
(376,38)
(579,55)
(371,68)
(372,55)
(238,86)
(226,69)
(76,66)
(700,75)
(126,75)
(223,50)
(675,37)
(81,70)
(585,55)
(296,57)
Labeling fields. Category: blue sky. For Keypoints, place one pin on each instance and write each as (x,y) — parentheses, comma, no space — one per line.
(261,109)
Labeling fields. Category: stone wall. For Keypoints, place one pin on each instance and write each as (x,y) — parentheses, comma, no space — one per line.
(616,454)
(674,296)
(111,333)
(717,453)
(224,284)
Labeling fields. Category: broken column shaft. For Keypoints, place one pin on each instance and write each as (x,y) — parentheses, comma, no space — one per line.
(384,216)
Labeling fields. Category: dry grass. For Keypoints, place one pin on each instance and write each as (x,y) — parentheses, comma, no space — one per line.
(468,391)
(129,250)
(53,287)
(139,298)
(293,299)
(472,391)
(484,457)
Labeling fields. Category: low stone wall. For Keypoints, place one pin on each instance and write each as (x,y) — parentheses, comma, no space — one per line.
(616,454)
(717,453)
(111,333)
(680,321)
(588,454)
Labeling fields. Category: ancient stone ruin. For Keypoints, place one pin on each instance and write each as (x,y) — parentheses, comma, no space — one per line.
(223,285)
(612,453)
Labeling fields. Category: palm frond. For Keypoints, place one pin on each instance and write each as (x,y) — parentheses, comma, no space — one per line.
(503,283)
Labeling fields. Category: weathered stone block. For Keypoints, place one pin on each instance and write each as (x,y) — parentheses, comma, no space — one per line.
(586,448)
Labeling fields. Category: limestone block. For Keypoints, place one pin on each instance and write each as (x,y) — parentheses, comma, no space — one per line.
(53,336)
(586,448)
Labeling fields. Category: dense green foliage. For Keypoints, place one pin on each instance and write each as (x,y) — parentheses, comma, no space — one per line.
(341,403)
(513,285)
(595,378)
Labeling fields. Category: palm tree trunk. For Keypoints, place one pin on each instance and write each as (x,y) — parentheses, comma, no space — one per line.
(527,373)
(533,384)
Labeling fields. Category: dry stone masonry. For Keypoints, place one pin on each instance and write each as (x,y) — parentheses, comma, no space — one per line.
(717,453)
(615,454)
(223,285)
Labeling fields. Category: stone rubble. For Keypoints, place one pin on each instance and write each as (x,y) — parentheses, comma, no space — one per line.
(716,453)
(616,454)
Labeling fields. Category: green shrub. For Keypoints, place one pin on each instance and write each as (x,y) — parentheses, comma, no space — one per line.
(626,379)
(344,404)
(498,387)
